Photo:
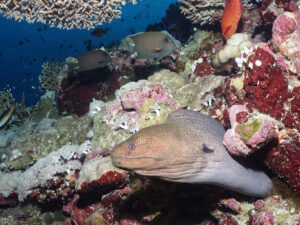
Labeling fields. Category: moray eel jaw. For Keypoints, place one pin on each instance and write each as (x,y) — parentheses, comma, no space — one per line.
(133,163)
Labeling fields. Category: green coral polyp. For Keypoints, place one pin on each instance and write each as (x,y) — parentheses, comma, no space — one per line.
(247,130)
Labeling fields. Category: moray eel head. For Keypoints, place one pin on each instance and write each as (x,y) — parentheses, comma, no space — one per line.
(159,150)
(188,148)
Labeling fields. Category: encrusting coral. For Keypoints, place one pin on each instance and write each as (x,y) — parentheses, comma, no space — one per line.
(67,14)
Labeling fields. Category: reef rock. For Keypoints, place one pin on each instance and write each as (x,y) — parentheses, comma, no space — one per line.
(286,36)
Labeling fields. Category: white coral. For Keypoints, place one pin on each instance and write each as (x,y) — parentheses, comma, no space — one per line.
(44,169)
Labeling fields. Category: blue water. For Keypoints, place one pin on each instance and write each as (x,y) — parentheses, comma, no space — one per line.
(23,48)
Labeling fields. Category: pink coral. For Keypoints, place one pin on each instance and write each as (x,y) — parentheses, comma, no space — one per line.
(272,210)
(270,9)
(136,98)
(286,36)
(244,137)
(266,89)
(79,214)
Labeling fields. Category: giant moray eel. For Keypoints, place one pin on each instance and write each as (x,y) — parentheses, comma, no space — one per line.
(188,148)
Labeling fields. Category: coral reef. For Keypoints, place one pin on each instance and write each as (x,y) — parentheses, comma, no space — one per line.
(41,135)
(265,88)
(270,9)
(249,129)
(264,211)
(6,99)
(56,168)
(232,49)
(64,14)
(206,12)
(201,11)
(76,91)
(286,37)
(51,75)
(174,22)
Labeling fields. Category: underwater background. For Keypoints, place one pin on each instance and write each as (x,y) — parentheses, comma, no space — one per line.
(25,47)
(150,112)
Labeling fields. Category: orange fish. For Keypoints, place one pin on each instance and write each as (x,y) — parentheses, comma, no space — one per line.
(231,17)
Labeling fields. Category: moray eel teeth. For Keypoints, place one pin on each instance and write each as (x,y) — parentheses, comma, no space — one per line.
(188,148)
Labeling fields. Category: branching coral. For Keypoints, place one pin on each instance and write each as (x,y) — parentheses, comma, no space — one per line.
(50,75)
(66,14)
(206,12)
(200,11)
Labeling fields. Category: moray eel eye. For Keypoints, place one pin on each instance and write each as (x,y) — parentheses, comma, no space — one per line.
(131,146)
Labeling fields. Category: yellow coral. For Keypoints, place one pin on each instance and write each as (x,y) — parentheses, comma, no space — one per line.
(50,75)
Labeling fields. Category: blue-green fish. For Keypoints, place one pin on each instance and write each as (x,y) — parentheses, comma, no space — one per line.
(149,45)
(90,60)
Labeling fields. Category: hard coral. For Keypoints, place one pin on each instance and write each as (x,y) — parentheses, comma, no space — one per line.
(100,175)
(135,99)
(270,9)
(64,14)
(286,36)
(51,74)
(266,89)
(249,131)
(264,83)
(284,159)
(79,213)
(272,210)
(77,91)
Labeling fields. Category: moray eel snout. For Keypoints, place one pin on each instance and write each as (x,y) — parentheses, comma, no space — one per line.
(188,148)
